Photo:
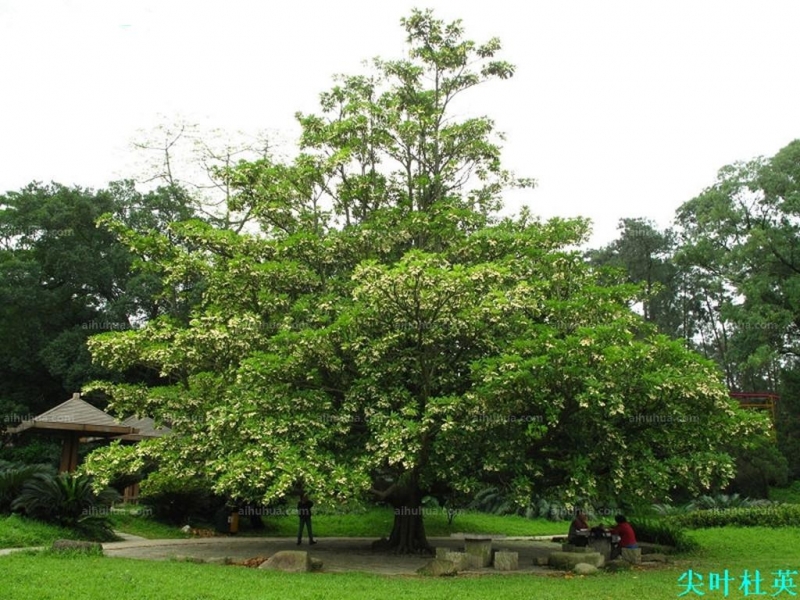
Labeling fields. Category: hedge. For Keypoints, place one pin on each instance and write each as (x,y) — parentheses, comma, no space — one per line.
(781,515)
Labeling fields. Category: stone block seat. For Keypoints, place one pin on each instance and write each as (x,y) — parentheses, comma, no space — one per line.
(478,549)
(632,555)
(568,560)
(506,561)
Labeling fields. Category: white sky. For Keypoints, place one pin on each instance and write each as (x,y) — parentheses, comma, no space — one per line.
(618,108)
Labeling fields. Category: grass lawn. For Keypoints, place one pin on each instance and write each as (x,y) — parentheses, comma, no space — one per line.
(375,522)
(50,577)
(751,548)
(19,532)
(137,521)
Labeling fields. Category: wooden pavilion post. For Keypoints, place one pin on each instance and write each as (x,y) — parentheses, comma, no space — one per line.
(69,453)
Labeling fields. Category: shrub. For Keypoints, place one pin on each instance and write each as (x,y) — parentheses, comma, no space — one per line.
(718,502)
(663,532)
(492,500)
(67,500)
(759,468)
(180,505)
(668,510)
(32,451)
(552,510)
(789,494)
(13,477)
(776,515)
(722,501)
(432,502)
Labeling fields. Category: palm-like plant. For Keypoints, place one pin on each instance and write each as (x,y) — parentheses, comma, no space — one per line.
(68,500)
(12,479)
(491,500)
(722,501)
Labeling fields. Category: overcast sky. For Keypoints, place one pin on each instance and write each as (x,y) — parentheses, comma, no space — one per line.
(618,108)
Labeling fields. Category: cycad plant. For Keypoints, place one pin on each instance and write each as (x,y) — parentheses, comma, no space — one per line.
(68,500)
(722,501)
(492,500)
(12,479)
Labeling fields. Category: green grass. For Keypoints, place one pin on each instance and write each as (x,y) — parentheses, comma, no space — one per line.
(138,522)
(52,577)
(475,522)
(375,522)
(19,532)
(748,547)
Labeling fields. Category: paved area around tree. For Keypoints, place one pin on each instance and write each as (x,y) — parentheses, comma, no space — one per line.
(337,554)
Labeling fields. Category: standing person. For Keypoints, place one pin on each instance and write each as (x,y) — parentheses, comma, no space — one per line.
(304,512)
(623,529)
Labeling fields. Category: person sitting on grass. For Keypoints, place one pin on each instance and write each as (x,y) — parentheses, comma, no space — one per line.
(579,524)
(627,537)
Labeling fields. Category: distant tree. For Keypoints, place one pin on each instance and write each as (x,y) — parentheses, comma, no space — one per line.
(740,240)
(64,278)
(788,426)
(645,254)
(191,161)
(742,235)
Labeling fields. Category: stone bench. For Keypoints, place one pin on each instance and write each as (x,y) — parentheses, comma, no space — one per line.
(461,560)
(599,545)
(506,561)
(478,553)
(602,545)
(568,560)
(502,560)
(479,549)
(632,555)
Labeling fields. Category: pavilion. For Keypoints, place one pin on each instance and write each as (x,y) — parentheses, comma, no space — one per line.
(73,421)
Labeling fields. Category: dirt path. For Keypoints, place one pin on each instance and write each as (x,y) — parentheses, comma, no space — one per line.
(337,554)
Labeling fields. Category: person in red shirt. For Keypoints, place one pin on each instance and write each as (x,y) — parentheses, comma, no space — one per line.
(627,537)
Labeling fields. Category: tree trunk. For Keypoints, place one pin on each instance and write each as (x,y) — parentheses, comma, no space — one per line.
(408,531)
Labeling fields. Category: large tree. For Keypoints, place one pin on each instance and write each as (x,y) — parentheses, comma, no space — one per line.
(740,243)
(742,233)
(386,335)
